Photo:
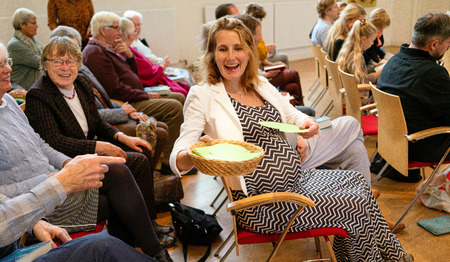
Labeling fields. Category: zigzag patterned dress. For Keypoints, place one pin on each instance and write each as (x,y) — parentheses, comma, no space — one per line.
(342,198)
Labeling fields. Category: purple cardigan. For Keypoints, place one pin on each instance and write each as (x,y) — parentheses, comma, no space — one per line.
(118,76)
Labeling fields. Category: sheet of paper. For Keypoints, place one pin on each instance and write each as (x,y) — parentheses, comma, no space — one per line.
(225,151)
(287,128)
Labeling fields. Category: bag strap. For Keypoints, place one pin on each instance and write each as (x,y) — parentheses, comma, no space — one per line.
(205,256)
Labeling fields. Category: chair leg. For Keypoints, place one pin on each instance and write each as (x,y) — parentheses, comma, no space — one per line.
(380,173)
(220,206)
(319,97)
(372,157)
(417,196)
(224,243)
(318,247)
(228,252)
(328,109)
(330,248)
(217,197)
(316,85)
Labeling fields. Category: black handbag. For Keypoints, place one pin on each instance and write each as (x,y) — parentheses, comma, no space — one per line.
(194,227)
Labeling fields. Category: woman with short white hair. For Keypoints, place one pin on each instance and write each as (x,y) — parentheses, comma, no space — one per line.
(24,48)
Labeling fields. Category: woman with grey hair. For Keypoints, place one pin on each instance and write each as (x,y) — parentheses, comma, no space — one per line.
(24,48)
(144,49)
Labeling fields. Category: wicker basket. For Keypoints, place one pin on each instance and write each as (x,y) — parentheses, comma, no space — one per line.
(226,168)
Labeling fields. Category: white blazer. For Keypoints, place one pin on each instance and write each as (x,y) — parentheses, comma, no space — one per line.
(208,110)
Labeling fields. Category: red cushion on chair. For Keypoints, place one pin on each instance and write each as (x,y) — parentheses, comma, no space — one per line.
(369,125)
(97,229)
(247,237)
(412,164)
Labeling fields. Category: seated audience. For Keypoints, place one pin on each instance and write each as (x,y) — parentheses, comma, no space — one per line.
(424,93)
(265,52)
(118,198)
(120,79)
(149,74)
(25,49)
(82,173)
(328,13)
(61,109)
(218,110)
(339,31)
(351,59)
(76,14)
(142,48)
(288,80)
(226,9)
(375,54)
(124,116)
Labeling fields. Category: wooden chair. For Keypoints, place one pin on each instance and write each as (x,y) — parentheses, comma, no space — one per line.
(393,140)
(322,76)
(243,236)
(353,105)
(316,83)
(336,92)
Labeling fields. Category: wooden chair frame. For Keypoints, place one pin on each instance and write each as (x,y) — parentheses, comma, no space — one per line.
(393,140)
(250,202)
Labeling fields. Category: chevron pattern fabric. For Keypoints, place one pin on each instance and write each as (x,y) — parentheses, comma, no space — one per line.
(343,199)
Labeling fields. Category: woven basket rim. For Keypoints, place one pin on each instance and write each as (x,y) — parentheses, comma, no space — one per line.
(225,167)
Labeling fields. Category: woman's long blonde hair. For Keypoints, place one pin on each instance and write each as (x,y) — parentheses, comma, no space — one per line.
(208,68)
(339,29)
(350,58)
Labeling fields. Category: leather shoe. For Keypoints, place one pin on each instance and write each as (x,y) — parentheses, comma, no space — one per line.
(163,256)
(161,229)
(413,175)
(166,241)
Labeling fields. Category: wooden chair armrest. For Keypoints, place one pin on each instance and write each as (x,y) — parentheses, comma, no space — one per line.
(118,101)
(267,198)
(368,106)
(427,133)
(364,86)
(342,90)
(373,111)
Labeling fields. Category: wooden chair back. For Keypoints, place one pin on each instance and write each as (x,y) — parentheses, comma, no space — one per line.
(321,65)
(447,61)
(352,96)
(335,91)
(392,144)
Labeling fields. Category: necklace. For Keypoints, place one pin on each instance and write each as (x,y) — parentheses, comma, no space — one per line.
(69,97)
(244,92)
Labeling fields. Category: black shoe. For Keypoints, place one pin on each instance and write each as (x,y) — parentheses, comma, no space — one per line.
(413,175)
(193,171)
(377,164)
(165,169)
(163,256)
(161,229)
(166,241)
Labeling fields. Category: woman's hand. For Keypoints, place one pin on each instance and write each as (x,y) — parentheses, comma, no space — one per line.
(108,149)
(18,93)
(128,108)
(206,138)
(138,116)
(45,231)
(165,63)
(272,73)
(184,161)
(301,148)
(311,124)
(134,142)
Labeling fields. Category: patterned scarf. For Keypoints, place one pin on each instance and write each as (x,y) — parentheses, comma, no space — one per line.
(33,43)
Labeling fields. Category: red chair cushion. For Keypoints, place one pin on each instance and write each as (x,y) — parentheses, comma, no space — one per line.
(247,237)
(369,125)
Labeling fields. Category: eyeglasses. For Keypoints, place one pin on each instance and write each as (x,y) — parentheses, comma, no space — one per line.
(115,27)
(8,62)
(60,62)
(33,23)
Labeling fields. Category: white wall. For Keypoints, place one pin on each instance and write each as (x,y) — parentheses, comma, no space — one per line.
(173,26)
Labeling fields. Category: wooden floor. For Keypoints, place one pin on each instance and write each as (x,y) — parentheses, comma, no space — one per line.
(200,190)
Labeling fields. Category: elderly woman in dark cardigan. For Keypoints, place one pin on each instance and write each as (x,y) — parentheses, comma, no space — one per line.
(61,108)
(123,116)
(26,161)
